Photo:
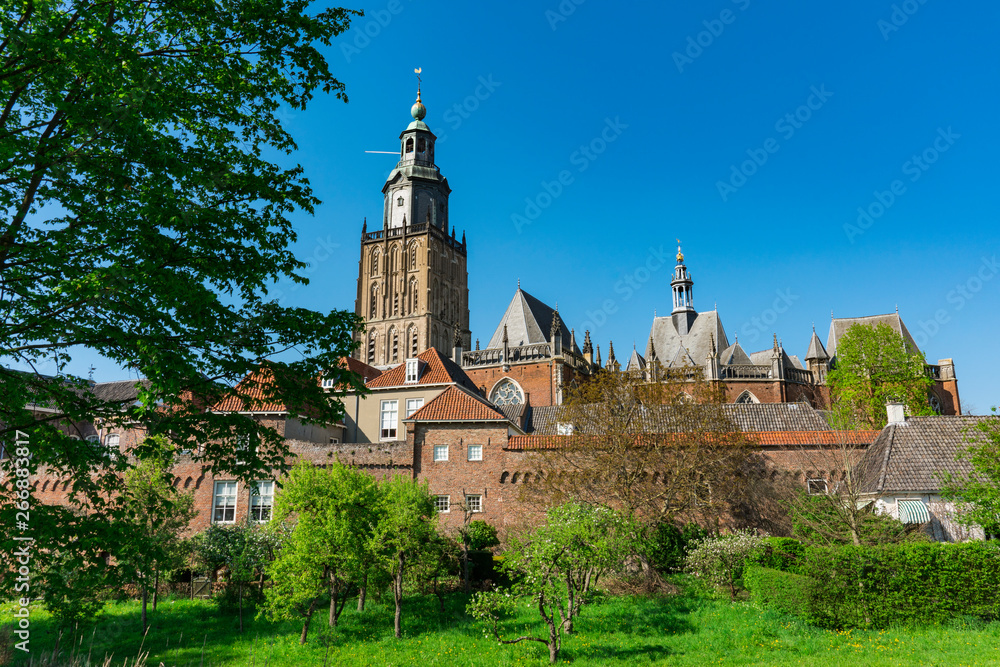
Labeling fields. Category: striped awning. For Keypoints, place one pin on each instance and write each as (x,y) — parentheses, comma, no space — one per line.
(913,511)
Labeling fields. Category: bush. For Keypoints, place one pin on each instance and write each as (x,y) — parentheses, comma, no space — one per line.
(786,592)
(480,535)
(876,587)
(667,546)
(718,561)
(780,553)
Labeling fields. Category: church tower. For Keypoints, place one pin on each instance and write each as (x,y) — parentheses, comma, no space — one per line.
(413,287)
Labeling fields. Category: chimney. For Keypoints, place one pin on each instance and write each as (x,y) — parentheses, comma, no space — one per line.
(896,413)
(458,347)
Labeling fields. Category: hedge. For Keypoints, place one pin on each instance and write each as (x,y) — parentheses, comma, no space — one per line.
(875,587)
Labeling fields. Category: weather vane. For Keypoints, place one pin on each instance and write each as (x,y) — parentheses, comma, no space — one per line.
(418,71)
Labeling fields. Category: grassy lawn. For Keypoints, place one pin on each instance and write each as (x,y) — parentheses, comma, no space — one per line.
(680,630)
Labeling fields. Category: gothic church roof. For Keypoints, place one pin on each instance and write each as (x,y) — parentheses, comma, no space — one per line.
(840,325)
(528,321)
(674,349)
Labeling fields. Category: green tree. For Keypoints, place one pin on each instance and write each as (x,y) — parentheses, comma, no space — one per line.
(555,566)
(408,523)
(874,366)
(977,493)
(146,216)
(719,560)
(159,515)
(337,511)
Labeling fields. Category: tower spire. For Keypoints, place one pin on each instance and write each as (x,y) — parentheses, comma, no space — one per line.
(681,286)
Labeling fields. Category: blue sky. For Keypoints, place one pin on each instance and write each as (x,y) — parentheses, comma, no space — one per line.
(752,131)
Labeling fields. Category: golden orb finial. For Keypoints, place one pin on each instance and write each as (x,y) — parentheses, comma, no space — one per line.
(680,255)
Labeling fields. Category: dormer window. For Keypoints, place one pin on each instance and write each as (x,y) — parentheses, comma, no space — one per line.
(327,384)
(399,201)
(564,428)
(412,370)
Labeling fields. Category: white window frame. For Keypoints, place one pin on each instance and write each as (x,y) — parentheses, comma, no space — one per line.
(438,450)
(226,495)
(442,501)
(112,441)
(412,370)
(817,481)
(257,503)
(475,453)
(474,502)
(94,438)
(334,441)
(327,384)
(564,428)
(412,405)
(386,408)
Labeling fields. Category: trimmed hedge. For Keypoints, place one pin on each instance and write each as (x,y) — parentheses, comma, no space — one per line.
(784,591)
(875,587)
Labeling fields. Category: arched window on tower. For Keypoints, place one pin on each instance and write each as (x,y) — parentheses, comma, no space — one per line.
(393,259)
(394,342)
(411,335)
(373,311)
(372,338)
(375,254)
(413,257)
(409,145)
(421,145)
(414,296)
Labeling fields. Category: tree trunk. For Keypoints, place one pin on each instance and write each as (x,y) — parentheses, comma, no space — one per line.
(241,605)
(305,625)
(465,567)
(145,597)
(363,593)
(156,587)
(334,597)
(397,593)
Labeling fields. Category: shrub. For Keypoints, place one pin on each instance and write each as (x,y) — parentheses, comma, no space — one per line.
(783,591)
(719,561)
(479,535)
(780,553)
(667,546)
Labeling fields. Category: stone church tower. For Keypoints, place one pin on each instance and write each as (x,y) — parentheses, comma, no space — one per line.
(413,287)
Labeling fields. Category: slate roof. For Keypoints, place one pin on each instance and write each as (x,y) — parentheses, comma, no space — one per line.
(907,457)
(453,404)
(636,362)
(734,354)
(674,349)
(816,349)
(122,391)
(437,369)
(756,417)
(528,321)
(840,325)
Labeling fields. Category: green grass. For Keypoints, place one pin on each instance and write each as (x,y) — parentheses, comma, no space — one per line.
(680,630)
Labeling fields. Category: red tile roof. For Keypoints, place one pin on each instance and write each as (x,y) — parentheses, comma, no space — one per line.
(256,386)
(763,438)
(437,369)
(368,373)
(453,404)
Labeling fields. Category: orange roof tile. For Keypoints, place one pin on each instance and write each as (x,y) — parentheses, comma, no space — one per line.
(453,404)
(437,369)
(367,372)
(763,438)
(255,386)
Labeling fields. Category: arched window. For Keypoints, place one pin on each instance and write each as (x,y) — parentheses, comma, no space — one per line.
(414,296)
(421,145)
(393,259)
(747,398)
(373,311)
(413,257)
(372,338)
(507,392)
(409,145)
(411,335)
(394,337)
(375,254)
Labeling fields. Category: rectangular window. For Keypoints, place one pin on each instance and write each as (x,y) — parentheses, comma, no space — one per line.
(246,445)
(224,504)
(474,503)
(262,501)
(111,440)
(475,452)
(816,487)
(442,504)
(412,405)
(327,384)
(412,370)
(390,417)
(440,452)
(334,441)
